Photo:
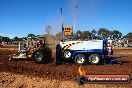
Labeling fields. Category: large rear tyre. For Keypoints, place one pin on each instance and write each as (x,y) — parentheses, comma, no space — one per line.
(94,59)
(42,55)
(38,57)
(80,59)
(47,52)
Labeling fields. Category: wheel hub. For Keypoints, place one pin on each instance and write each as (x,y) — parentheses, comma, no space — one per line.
(67,54)
(38,56)
(95,59)
(80,60)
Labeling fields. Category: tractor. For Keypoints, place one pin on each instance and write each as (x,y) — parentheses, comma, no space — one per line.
(39,54)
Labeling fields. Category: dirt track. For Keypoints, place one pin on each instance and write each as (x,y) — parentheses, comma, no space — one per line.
(65,72)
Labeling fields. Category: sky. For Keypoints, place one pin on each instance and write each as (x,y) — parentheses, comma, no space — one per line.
(21,17)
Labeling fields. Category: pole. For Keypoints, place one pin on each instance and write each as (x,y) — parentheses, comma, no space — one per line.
(74,19)
(62,24)
(1,39)
(19,46)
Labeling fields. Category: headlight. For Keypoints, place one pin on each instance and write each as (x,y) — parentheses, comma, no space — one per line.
(67,54)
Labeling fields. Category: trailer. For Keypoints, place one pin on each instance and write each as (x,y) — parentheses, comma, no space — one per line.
(81,52)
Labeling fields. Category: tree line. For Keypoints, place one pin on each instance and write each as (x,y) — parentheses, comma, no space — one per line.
(98,34)
(16,38)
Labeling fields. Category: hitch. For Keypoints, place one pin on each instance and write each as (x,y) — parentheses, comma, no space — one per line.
(111,60)
(115,62)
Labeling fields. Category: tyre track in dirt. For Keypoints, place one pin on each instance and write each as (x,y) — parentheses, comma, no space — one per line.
(66,71)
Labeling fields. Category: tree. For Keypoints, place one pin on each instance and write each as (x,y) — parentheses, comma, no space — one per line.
(0,39)
(94,32)
(31,35)
(58,35)
(116,34)
(6,39)
(111,34)
(103,32)
(129,35)
(78,34)
(86,35)
(25,38)
(16,38)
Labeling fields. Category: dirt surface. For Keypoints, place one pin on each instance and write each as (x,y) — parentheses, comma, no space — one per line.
(25,73)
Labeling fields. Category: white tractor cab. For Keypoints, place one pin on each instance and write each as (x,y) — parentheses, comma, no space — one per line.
(80,52)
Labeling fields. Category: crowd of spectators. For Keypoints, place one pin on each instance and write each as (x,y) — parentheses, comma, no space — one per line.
(122,42)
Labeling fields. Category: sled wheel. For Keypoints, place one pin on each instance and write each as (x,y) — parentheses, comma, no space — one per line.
(80,59)
(94,59)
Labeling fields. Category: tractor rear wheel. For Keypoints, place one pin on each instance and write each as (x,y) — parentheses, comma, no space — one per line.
(42,55)
(38,56)
(48,52)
